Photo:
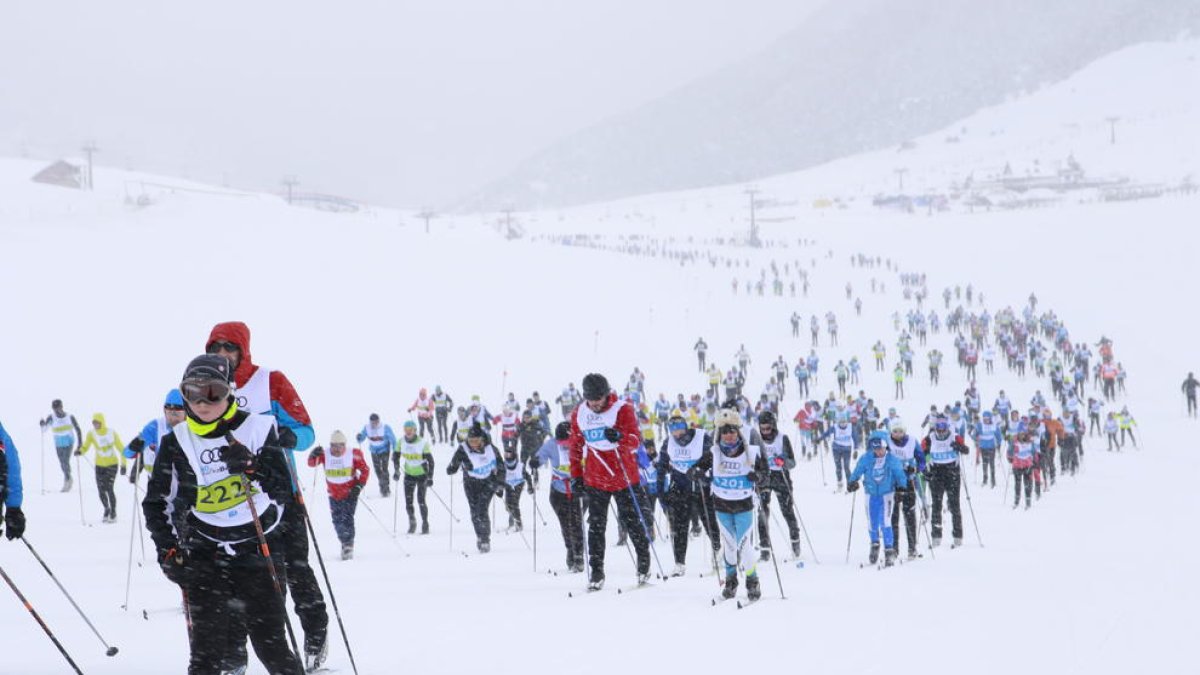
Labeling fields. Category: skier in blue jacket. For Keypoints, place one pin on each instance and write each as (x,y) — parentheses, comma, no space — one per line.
(886,474)
(10,486)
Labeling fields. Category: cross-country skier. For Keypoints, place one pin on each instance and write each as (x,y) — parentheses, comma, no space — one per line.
(988,439)
(684,498)
(108,453)
(516,479)
(882,474)
(556,453)
(1189,391)
(218,459)
(425,409)
(780,459)
(263,391)
(942,449)
(67,438)
(442,405)
(380,441)
(845,440)
(735,468)
(906,449)
(346,474)
(483,477)
(1024,453)
(604,430)
(414,454)
(144,447)
(11,486)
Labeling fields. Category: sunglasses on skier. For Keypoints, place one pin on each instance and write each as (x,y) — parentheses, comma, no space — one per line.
(205,391)
(215,347)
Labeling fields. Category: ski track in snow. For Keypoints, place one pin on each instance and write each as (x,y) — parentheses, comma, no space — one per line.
(105,304)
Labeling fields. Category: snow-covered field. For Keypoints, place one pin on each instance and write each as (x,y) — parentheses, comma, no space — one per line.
(105,303)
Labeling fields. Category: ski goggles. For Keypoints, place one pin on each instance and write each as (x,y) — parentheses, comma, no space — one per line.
(215,347)
(173,408)
(204,391)
(677,425)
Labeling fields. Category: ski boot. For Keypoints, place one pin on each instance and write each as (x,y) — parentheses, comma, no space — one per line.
(315,652)
(643,578)
(621,540)
(731,584)
(874,557)
(957,542)
(425,527)
(483,546)
(347,551)
(937,541)
(795,548)
(412,526)
(575,567)
(680,570)
(596,582)
(912,553)
(889,557)
(67,485)
(753,588)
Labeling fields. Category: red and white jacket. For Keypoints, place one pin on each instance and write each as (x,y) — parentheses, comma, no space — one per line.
(342,473)
(595,459)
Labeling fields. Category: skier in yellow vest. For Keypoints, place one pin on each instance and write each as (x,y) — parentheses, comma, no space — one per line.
(109,452)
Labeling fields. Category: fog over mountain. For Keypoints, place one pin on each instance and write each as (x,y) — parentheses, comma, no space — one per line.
(856,75)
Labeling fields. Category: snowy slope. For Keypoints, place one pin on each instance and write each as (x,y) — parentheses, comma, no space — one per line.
(106,302)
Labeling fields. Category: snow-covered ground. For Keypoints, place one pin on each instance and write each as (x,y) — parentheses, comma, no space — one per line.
(105,302)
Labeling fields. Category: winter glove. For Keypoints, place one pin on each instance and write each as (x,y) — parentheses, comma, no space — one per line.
(752,476)
(429,481)
(529,487)
(852,486)
(287,438)
(237,457)
(137,445)
(500,492)
(612,435)
(133,476)
(576,484)
(14,520)
(962,449)
(173,563)
(316,454)
(534,463)
(356,490)
(124,470)
(78,452)
(359,437)
(779,462)
(854,456)
(909,471)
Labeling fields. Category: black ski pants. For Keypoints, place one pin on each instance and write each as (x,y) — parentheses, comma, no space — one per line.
(570,519)
(106,476)
(443,429)
(598,501)
(1022,475)
(425,425)
(380,461)
(342,511)
(681,505)
(906,503)
(64,459)
(988,457)
(418,485)
(944,482)
(229,597)
(307,599)
(777,483)
(479,498)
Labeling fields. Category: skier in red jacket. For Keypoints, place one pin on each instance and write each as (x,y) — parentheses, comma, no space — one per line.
(603,447)
(346,472)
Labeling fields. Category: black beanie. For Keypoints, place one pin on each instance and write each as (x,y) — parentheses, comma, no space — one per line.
(208,367)
(563,431)
(595,387)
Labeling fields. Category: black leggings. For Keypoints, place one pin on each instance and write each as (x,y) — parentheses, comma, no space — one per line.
(1019,475)
(598,501)
(777,483)
(416,483)
(105,477)
(479,497)
(570,519)
(380,460)
(681,505)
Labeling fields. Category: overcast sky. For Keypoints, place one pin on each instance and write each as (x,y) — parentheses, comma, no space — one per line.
(394,102)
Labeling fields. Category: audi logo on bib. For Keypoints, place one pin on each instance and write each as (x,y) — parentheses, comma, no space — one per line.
(210,455)
(242,402)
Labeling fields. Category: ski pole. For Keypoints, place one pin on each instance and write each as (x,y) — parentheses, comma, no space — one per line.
(187,613)
(129,565)
(395,510)
(383,527)
(774,562)
(536,516)
(970,506)
(448,507)
(707,522)
(312,535)
(850,533)
(41,623)
(637,507)
(265,550)
(109,650)
(796,508)
(43,460)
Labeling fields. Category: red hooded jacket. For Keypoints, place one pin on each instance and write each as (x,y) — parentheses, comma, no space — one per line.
(601,470)
(282,393)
